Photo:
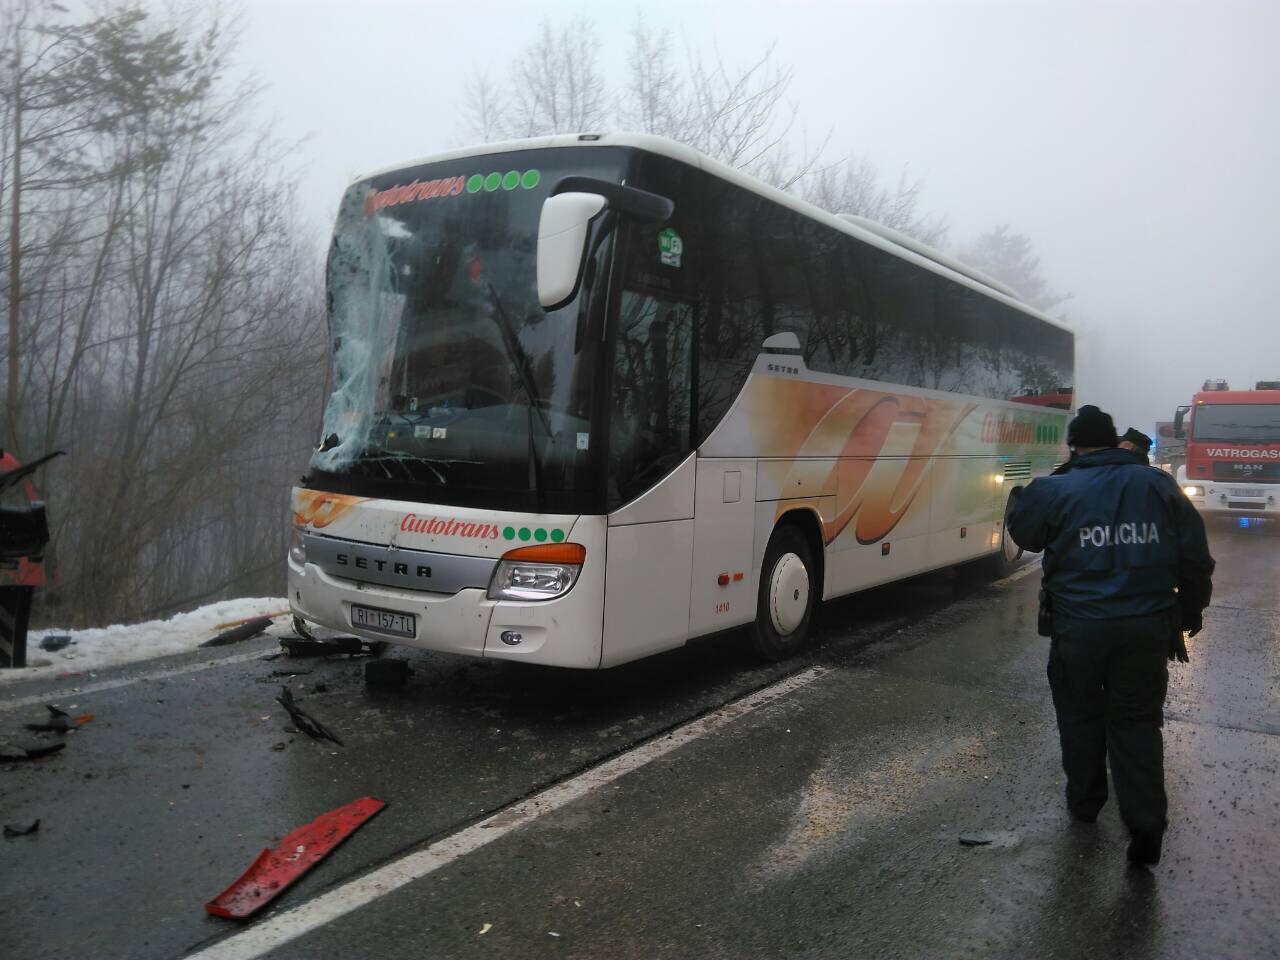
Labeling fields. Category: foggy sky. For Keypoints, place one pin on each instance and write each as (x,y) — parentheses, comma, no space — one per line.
(1137,144)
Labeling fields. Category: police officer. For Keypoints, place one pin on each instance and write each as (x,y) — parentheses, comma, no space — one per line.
(1126,570)
(1138,444)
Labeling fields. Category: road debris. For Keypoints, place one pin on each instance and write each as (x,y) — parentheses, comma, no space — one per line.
(11,752)
(243,620)
(485,929)
(60,721)
(11,832)
(274,870)
(308,724)
(350,646)
(990,838)
(249,628)
(56,641)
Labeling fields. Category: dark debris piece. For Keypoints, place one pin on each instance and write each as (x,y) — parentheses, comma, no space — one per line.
(59,722)
(10,752)
(975,839)
(308,724)
(11,832)
(55,642)
(250,628)
(350,646)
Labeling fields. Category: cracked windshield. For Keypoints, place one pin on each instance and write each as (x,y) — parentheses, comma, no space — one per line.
(447,371)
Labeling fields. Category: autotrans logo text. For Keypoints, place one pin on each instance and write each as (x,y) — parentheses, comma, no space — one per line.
(376,200)
(450,527)
(1243,453)
(998,429)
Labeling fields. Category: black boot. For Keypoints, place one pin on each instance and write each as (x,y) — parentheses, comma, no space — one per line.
(1144,849)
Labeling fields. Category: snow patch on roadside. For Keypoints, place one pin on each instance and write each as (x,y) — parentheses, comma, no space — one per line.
(101,647)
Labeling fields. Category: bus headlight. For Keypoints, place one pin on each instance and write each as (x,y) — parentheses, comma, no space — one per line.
(297,548)
(543,572)
(1191,490)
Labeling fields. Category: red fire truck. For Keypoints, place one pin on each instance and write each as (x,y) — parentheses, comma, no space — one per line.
(1233,449)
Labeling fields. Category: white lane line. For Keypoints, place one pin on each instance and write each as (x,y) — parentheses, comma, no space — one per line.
(67,693)
(271,933)
(1028,570)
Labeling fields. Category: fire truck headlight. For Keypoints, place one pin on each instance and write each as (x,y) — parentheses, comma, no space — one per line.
(537,573)
(1191,490)
(297,548)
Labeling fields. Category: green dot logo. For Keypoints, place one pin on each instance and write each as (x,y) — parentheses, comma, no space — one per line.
(511,180)
(540,535)
(492,182)
(557,536)
(475,183)
(525,533)
(530,179)
(509,533)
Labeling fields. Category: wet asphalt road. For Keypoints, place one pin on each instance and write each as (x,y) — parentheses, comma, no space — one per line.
(824,824)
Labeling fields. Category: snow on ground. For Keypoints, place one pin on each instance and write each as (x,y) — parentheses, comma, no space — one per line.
(101,647)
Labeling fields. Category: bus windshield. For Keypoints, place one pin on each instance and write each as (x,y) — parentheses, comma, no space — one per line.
(451,383)
(1237,422)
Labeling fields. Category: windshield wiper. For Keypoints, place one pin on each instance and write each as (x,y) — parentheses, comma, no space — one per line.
(520,360)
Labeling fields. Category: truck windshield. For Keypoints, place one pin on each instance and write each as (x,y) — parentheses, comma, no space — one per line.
(451,383)
(1236,422)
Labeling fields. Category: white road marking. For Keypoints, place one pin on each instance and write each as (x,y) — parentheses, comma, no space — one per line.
(1028,570)
(275,931)
(67,693)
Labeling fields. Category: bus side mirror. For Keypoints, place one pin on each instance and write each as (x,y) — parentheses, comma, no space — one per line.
(562,244)
(1178,416)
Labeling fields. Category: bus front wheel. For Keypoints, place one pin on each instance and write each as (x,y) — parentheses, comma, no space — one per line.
(785,604)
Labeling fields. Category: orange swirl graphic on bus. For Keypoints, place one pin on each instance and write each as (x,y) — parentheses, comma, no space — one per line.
(319,509)
(868,433)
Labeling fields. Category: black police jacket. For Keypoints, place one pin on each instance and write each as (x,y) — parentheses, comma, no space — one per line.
(1118,539)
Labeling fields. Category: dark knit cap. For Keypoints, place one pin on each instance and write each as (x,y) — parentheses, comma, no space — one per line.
(1091,428)
(1138,439)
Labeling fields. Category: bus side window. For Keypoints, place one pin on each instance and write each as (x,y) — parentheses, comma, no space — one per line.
(652,388)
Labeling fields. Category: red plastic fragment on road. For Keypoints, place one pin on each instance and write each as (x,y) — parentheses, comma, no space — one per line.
(275,870)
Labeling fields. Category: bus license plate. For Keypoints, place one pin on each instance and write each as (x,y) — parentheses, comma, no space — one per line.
(383,621)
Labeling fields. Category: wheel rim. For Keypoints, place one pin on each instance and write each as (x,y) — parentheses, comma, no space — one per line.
(788,593)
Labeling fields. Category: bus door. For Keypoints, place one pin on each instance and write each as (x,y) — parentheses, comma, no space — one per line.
(649,551)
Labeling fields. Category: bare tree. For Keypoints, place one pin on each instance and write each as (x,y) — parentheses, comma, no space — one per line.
(171,318)
(556,82)
(654,98)
(736,113)
(1010,257)
(485,109)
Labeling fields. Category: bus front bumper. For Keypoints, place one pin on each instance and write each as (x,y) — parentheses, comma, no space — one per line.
(561,632)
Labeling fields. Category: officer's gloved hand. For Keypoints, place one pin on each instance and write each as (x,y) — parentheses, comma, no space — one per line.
(1193,623)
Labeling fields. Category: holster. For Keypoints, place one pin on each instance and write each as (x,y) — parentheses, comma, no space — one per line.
(1044,619)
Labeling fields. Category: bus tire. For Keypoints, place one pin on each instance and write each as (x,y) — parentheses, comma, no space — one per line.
(787,595)
(1006,560)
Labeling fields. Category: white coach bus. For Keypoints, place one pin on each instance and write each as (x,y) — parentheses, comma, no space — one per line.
(597,395)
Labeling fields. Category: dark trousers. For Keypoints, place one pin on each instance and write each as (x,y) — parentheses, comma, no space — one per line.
(1109,679)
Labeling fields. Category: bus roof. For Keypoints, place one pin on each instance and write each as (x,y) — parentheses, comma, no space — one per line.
(686,154)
